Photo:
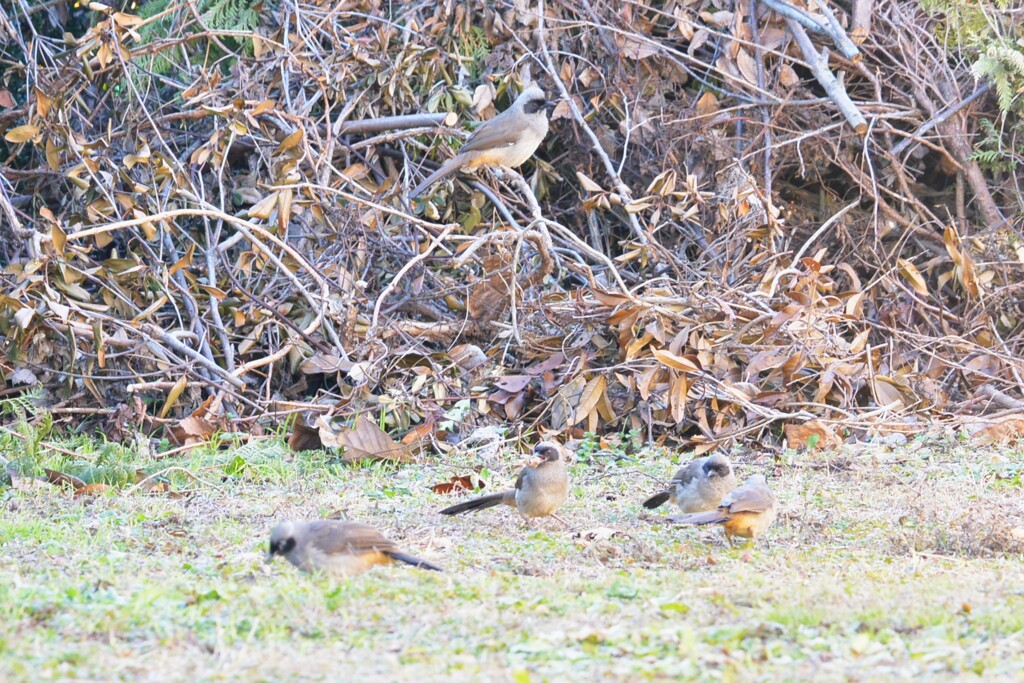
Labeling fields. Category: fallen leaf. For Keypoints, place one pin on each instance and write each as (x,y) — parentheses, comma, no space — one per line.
(810,435)
(366,440)
(21,133)
(190,430)
(676,362)
(513,384)
(92,490)
(324,364)
(467,482)
(467,356)
(304,438)
(999,432)
(913,276)
(61,479)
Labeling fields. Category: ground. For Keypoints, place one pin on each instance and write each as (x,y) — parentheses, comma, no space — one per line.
(884,565)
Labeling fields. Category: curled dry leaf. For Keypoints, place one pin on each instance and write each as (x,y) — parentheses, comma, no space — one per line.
(1003,431)
(467,482)
(363,440)
(304,438)
(811,435)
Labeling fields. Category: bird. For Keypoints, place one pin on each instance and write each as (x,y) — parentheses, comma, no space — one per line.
(336,547)
(747,511)
(541,488)
(697,486)
(507,140)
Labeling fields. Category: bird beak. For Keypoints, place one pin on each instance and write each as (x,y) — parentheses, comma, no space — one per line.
(534,461)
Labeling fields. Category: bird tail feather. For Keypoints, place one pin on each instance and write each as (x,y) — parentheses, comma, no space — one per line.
(657,500)
(712,517)
(446,170)
(414,561)
(481,503)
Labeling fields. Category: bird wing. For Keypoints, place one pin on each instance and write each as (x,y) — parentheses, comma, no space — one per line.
(348,537)
(689,472)
(522,477)
(493,134)
(755,498)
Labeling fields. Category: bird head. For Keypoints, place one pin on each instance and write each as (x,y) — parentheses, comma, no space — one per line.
(282,540)
(545,451)
(717,466)
(533,100)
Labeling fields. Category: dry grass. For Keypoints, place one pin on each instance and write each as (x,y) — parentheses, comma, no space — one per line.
(883,565)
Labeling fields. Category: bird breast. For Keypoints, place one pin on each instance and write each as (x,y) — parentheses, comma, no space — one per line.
(528,142)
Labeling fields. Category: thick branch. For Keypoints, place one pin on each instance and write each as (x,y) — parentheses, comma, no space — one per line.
(404,122)
(834,89)
(830,27)
(860,20)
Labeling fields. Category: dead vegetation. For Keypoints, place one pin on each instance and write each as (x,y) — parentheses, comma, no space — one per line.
(208,229)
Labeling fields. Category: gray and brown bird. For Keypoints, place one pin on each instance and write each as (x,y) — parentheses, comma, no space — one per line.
(336,547)
(699,485)
(747,511)
(507,140)
(541,488)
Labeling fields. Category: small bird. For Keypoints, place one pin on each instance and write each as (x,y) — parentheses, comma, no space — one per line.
(699,485)
(507,140)
(747,511)
(541,488)
(336,547)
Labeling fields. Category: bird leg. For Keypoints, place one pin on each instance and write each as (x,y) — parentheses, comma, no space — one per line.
(561,520)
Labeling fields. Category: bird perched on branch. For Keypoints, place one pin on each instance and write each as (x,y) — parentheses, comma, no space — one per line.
(747,511)
(507,140)
(336,547)
(541,488)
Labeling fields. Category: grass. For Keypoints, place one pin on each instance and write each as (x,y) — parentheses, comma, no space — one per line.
(884,565)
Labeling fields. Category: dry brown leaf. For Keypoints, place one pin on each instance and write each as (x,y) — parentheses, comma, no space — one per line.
(489,299)
(707,104)
(812,434)
(913,276)
(61,479)
(21,133)
(324,364)
(467,356)
(747,66)
(190,430)
(591,397)
(677,399)
(366,440)
(985,433)
(677,362)
(513,384)
(304,438)
(467,482)
(92,489)
(787,76)
(418,433)
(888,392)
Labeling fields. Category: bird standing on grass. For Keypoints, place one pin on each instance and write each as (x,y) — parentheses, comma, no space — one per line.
(747,511)
(698,486)
(541,488)
(336,547)
(507,140)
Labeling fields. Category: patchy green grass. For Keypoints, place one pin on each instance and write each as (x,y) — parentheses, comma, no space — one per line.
(883,565)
